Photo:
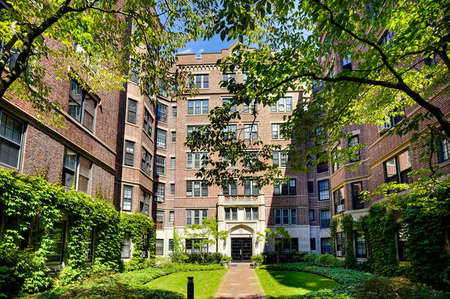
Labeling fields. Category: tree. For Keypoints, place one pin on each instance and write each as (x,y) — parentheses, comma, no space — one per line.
(205,233)
(91,41)
(395,54)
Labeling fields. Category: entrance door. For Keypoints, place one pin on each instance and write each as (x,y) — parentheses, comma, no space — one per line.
(241,249)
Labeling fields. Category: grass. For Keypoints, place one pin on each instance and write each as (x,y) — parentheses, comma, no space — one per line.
(290,283)
(205,282)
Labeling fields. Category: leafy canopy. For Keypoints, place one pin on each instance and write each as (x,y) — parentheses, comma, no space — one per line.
(398,54)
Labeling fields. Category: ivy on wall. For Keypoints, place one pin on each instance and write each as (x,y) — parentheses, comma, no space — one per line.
(347,225)
(93,231)
(333,233)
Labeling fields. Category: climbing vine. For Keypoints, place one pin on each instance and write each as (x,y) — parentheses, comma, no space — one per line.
(31,209)
(347,225)
(333,232)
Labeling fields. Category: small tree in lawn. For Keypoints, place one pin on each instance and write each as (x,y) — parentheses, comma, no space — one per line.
(278,236)
(178,255)
(206,233)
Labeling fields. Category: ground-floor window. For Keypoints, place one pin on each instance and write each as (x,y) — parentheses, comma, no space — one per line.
(196,245)
(170,244)
(56,253)
(159,247)
(126,249)
(287,245)
(325,246)
(360,245)
(340,244)
(401,245)
(312,243)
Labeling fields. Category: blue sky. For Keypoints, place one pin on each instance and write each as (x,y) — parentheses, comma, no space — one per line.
(215,44)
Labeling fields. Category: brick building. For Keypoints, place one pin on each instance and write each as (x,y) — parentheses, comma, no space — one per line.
(302,206)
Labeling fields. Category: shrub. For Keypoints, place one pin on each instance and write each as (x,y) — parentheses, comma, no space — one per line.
(327,260)
(378,288)
(257,259)
(178,257)
(204,258)
(310,257)
(226,259)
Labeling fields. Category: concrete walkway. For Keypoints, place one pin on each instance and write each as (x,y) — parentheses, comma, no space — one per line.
(240,281)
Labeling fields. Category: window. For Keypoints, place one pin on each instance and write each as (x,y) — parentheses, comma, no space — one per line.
(134,72)
(11,131)
(191,129)
(340,244)
(76,171)
(312,243)
(229,77)
(196,245)
(310,187)
(285,216)
(249,108)
(200,81)
(336,164)
(57,234)
(325,246)
(132,111)
(160,192)
(174,136)
(144,206)
(401,244)
(161,138)
(251,187)
(227,102)
(172,162)
(251,131)
(196,216)
(443,151)
(159,248)
(162,113)
(82,106)
(196,189)
(354,141)
(172,189)
(324,190)
(198,106)
(311,216)
(282,105)
(231,214)
(339,200)
(276,131)
(230,132)
(280,159)
(171,217)
(390,122)
(322,166)
(285,188)
(146,163)
(196,160)
(360,245)
(148,123)
(244,77)
(129,153)
(160,164)
(127,198)
(174,111)
(159,219)
(251,213)
(163,92)
(286,245)
(126,249)
(230,189)
(170,244)
(397,168)
(325,216)
(356,195)
(346,63)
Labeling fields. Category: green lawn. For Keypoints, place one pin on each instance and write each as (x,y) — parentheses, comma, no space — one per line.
(288,283)
(205,282)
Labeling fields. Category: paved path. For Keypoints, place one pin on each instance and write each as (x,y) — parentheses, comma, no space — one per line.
(240,282)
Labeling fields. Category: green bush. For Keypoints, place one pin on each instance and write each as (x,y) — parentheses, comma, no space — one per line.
(377,288)
(310,257)
(257,259)
(204,258)
(327,260)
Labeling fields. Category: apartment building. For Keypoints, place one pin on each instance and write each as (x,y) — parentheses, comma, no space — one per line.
(384,158)
(302,207)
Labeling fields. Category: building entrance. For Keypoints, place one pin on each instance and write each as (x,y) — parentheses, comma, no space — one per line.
(241,249)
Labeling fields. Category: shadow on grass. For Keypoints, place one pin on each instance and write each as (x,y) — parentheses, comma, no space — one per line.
(112,290)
